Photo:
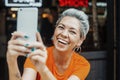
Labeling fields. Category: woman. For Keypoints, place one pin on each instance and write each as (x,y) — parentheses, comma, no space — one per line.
(58,62)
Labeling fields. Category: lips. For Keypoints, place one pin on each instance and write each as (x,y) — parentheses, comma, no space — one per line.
(63,41)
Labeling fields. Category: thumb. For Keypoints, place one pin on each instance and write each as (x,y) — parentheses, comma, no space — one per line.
(38,36)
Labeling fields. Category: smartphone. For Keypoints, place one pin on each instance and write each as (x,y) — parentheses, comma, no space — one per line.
(27,22)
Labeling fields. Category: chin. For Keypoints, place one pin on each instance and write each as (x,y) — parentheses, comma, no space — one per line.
(61,49)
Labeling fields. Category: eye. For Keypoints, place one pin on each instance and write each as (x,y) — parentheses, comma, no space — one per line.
(60,27)
(72,32)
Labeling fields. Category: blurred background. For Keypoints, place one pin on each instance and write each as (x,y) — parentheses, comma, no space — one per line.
(101,46)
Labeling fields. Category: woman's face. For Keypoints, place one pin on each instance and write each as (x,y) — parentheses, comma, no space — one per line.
(67,34)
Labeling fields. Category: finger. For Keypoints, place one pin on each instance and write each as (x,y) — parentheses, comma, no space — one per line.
(38,52)
(16,53)
(21,49)
(18,42)
(39,39)
(13,37)
(36,45)
(37,59)
(17,34)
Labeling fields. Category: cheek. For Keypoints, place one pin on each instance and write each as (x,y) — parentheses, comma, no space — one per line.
(54,36)
(56,32)
(75,40)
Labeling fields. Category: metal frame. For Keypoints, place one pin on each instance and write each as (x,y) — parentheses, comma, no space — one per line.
(22,4)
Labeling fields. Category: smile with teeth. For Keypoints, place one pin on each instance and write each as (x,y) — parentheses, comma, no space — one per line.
(63,41)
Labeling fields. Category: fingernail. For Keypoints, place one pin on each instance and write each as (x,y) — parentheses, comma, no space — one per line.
(26,37)
(26,45)
(32,49)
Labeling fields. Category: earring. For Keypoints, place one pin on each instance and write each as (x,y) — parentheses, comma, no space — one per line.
(77,49)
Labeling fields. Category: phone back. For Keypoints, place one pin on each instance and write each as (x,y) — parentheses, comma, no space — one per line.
(27,22)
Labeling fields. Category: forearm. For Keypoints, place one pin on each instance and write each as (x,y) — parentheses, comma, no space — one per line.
(14,73)
(46,74)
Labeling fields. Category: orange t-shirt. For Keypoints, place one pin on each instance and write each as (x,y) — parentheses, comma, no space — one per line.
(79,66)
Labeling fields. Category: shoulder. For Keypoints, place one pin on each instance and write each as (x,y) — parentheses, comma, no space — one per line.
(81,66)
(80,60)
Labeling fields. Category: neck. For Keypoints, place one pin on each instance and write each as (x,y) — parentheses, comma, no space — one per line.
(62,58)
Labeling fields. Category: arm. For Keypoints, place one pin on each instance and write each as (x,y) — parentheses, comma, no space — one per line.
(15,48)
(14,73)
(38,57)
(29,74)
(46,74)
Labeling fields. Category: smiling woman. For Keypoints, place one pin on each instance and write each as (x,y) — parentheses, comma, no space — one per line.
(67,33)
(59,62)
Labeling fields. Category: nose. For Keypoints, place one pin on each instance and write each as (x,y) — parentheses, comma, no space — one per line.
(64,34)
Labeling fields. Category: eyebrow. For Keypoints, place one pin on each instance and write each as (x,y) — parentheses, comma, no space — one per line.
(70,27)
(61,24)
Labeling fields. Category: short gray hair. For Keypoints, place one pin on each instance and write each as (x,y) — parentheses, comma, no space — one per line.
(81,16)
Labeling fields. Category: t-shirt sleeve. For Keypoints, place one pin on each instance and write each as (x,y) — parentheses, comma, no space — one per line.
(82,69)
(29,64)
